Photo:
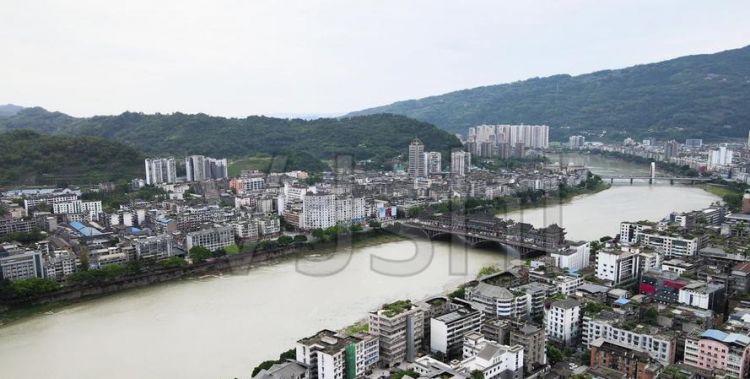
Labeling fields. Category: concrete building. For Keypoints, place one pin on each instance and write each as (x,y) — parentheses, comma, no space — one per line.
(154,247)
(494,360)
(631,363)
(717,350)
(400,329)
(60,264)
(323,210)
(330,356)
(575,258)
(434,162)
(720,157)
(528,136)
(500,301)
(563,322)
(575,142)
(200,168)
(447,331)
(617,265)
(161,170)
(285,370)
(460,163)
(417,164)
(22,265)
(533,341)
(650,340)
(91,208)
(703,295)
(212,238)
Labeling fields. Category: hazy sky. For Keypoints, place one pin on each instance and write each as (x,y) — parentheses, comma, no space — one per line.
(242,57)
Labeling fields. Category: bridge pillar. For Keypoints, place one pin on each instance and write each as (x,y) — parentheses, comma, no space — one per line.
(671,181)
(650,180)
(631,180)
(611,180)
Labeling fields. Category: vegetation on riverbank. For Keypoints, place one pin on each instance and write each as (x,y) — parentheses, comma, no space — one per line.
(730,192)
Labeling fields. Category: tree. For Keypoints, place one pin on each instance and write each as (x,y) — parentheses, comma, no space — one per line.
(300,238)
(199,254)
(554,354)
(355,228)
(477,374)
(374,223)
(285,240)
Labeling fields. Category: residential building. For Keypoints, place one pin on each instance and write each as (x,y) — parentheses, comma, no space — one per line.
(617,265)
(494,360)
(563,322)
(533,341)
(717,350)
(575,142)
(324,210)
(91,208)
(18,265)
(154,247)
(417,164)
(212,238)
(703,295)
(434,162)
(200,168)
(661,286)
(447,330)
(528,136)
(500,301)
(285,370)
(460,163)
(574,258)
(161,170)
(720,157)
(400,329)
(631,363)
(330,356)
(658,345)
(60,264)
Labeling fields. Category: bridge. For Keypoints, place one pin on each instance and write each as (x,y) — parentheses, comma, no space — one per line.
(652,178)
(487,230)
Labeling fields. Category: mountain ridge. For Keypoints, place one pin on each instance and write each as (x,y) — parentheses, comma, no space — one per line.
(702,95)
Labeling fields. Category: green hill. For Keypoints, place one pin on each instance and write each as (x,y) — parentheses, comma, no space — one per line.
(305,143)
(701,96)
(30,158)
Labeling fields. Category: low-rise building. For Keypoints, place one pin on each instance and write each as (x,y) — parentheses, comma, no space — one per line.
(212,238)
(330,356)
(631,363)
(659,345)
(716,350)
(447,331)
(19,265)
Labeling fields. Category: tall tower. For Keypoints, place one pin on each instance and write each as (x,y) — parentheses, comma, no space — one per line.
(417,163)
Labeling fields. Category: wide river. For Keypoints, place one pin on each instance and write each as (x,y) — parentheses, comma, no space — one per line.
(221,328)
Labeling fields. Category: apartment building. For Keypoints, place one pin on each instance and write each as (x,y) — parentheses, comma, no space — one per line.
(18,265)
(434,162)
(400,329)
(563,322)
(200,168)
(533,340)
(447,330)
(717,350)
(574,258)
(630,363)
(90,208)
(161,170)
(493,359)
(323,210)
(331,356)
(624,264)
(212,238)
(658,345)
(500,301)
(460,163)
(154,247)
(417,164)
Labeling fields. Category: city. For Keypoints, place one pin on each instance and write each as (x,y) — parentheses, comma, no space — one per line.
(586,226)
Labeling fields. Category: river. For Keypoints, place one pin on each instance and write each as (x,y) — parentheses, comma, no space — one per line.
(223,327)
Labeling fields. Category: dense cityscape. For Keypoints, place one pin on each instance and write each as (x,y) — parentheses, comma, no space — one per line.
(423,189)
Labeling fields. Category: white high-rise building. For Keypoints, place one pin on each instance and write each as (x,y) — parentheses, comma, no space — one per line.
(201,168)
(417,163)
(576,141)
(161,170)
(434,162)
(92,208)
(323,210)
(720,157)
(563,322)
(460,163)
(531,136)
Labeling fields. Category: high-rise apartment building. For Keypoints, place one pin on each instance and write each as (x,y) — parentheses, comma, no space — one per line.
(563,322)
(417,163)
(530,136)
(400,328)
(161,170)
(460,163)
(720,157)
(434,162)
(576,142)
(199,168)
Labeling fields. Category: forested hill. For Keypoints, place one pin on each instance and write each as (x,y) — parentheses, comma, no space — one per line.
(30,158)
(375,137)
(700,96)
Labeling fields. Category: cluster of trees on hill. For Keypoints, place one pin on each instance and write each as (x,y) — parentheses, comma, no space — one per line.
(302,143)
(702,96)
(30,158)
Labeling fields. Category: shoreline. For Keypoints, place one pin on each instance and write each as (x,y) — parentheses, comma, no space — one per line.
(18,313)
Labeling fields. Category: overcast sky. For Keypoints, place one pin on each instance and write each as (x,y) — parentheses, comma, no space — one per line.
(244,57)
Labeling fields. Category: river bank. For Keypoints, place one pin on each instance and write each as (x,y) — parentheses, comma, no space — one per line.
(13,311)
